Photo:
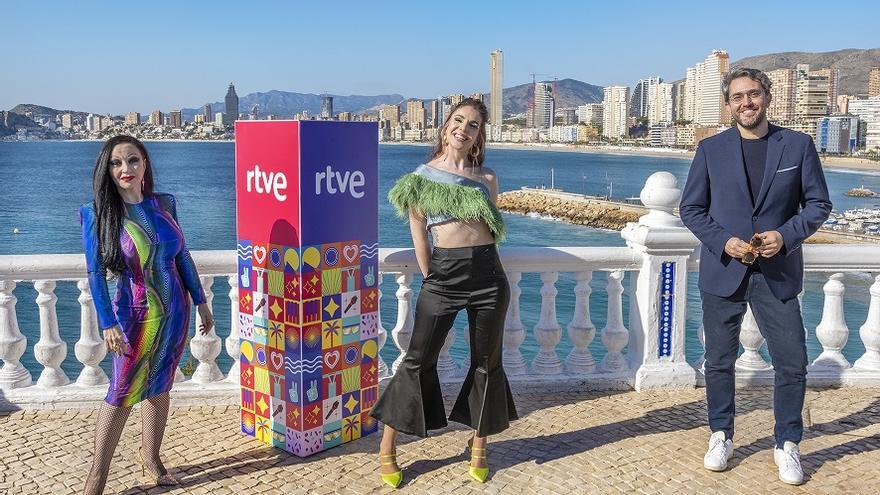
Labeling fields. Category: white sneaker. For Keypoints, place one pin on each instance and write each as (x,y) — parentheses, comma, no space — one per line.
(719,452)
(788,458)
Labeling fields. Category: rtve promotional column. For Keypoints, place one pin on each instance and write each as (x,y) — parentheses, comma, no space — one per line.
(307,213)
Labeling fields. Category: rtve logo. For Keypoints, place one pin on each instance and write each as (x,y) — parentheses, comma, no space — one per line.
(275,183)
(346,181)
(271,183)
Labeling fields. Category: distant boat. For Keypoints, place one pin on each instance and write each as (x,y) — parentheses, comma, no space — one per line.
(860,192)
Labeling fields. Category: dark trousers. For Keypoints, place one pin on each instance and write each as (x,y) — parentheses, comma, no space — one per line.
(468,278)
(782,326)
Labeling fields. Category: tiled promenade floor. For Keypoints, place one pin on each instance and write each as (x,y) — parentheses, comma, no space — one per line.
(565,443)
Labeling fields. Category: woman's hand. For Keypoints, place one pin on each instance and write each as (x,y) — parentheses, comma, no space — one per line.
(115,340)
(207,319)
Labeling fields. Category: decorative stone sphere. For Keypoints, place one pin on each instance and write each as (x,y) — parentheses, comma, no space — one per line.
(661,192)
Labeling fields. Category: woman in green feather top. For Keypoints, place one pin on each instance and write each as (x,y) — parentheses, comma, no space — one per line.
(452,198)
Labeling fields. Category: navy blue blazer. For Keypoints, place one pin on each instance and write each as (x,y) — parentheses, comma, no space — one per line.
(717,205)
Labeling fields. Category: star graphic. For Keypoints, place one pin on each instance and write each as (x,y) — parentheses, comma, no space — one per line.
(294,414)
(261,403)
(351,403)
(314,279)
(276,309)
(331,307)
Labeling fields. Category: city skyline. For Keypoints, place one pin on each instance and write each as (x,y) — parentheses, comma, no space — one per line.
(178,65)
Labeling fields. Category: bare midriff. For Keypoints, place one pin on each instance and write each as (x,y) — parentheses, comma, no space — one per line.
(461,233)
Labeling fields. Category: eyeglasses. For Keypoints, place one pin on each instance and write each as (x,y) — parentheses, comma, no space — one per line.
(754,94)
(752,254)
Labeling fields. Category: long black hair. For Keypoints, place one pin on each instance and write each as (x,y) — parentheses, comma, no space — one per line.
(109,208)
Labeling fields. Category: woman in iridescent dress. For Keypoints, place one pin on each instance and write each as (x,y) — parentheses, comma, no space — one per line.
(452,198)
(133,233)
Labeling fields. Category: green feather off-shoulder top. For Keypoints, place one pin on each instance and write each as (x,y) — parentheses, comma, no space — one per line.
(443,196)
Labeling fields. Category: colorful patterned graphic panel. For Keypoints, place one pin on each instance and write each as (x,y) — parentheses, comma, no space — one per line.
(307,279)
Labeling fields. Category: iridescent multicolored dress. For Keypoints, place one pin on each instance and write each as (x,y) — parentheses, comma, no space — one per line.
(151,305)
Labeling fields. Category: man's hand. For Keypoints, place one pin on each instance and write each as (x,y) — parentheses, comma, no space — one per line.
(771,243)
(736,247)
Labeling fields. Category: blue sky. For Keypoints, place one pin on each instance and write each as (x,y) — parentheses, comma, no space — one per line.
(123,56)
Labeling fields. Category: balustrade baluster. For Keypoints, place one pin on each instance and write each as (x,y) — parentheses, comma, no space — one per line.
(700,364)
(466,362)
(205,348)
(233,341)
(581,330)
(870,332)
(402,331)
(548,333)
(446,367)
(751,339)
(382,333)
(50,350)
(514,331)
(832,331)
(90,349)
(12,343)
(615,336)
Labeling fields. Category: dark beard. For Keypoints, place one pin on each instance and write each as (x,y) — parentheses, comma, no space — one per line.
(759,119)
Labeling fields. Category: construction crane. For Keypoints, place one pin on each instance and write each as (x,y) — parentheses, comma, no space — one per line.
(530,99)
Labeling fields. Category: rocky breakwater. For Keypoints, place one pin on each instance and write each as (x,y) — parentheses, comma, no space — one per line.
(572,208)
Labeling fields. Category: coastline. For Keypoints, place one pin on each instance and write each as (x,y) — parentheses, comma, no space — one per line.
(837,163)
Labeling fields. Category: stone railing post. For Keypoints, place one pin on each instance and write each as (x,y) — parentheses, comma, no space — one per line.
(514,331)
(581,330)
(382,333)
(233,341)
(615,336)
(870,332)
(751,339)
(402,331)
(205,348)
(832,331)
(446,367)
(50,350)
(659,291)
(548,333)
(90,349)
(12,342)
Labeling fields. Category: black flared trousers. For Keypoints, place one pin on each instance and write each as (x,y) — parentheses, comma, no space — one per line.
(468,278)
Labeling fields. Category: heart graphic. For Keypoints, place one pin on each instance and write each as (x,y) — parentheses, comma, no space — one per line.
(350,252)
(260,254)
(277,360)
(332,359)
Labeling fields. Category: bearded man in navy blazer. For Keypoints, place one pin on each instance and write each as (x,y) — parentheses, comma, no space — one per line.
(754,193)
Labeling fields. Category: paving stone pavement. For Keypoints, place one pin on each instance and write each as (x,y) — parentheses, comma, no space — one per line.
(571,443)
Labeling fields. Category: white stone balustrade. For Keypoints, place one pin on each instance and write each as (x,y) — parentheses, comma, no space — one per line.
(832,331)
(205,348)
(870,332)
(548,333)
(233,341)
(90,349)
(402,332)
(615,336)
(631,352)
(581,330)
(514,331)
(50,351)
(12,343)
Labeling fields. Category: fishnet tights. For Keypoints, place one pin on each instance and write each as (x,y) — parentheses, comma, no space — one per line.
(111,421)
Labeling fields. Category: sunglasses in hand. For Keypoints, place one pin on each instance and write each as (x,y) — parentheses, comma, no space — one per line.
(754,244)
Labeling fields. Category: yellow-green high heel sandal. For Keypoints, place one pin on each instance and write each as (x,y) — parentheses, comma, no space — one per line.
(478,473)
(391,479)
